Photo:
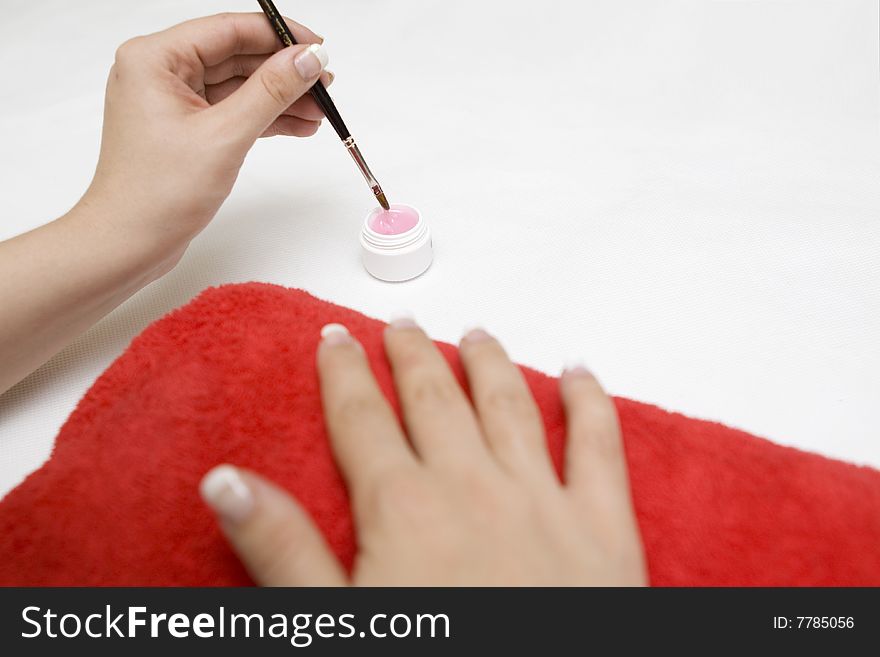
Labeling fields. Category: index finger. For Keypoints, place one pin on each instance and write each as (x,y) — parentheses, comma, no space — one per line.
(216,38)
(366,437)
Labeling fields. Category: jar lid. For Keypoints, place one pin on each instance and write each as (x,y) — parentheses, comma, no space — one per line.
(396,244)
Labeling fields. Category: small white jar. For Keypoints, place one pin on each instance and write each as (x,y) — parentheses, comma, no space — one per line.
(399,257)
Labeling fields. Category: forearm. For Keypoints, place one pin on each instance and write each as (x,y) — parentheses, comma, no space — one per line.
(58,280)
(170,153)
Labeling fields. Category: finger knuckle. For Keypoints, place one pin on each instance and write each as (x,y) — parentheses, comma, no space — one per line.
(129,50)
(355,411)
(279,552)
(272,131)
(228,21)
(602,438)
(237,68)
(608,445)
(298,129)
(480,488)
(400,495)
(432,392)
(408,346)
(220,20)
(488,499)
(276,85)
(506,399)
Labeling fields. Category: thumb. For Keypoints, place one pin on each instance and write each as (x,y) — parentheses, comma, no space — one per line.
(272,534)
(273,87)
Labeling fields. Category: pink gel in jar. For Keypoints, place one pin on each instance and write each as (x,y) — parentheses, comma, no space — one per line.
(396,221)
(396,244)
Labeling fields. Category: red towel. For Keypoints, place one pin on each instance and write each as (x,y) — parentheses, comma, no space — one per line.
(231,378)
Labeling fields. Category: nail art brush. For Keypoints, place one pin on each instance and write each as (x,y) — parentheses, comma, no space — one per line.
(319,93)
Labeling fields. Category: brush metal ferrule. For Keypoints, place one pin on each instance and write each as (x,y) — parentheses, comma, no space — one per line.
(358,158)
(360,161)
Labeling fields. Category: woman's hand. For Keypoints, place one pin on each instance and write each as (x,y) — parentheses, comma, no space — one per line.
(471,498)
(183,107)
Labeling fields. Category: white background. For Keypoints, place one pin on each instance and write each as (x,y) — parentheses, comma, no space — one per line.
(686,195)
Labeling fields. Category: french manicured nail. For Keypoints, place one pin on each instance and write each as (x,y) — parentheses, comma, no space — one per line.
(402,319)
(311,61)
(476,334)
(576,368)
(330,77)
(224,490)
(335,334)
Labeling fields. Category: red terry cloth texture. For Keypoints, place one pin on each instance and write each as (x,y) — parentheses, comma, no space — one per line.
(231,378)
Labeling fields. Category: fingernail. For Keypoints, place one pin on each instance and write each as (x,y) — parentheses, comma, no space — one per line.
(402,319)
(476,334)
(335,334)
(330,77)
(311,61)
(224,490)
(576,368)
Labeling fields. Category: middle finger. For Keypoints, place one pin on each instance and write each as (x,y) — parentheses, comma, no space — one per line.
(440,421)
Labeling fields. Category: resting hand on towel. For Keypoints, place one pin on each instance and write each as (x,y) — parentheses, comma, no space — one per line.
(183,107)
(469,498)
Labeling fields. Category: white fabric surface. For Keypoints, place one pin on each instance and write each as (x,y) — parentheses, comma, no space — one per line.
(686,195)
